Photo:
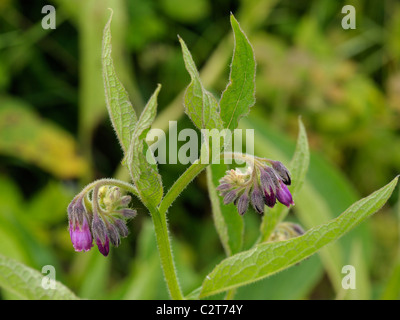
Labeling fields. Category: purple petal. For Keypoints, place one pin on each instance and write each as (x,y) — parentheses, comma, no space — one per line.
(269,198)
(230,197)
(269,179)
(104,248)
(243,203)
(224,186)
(284,196)
(257,200)
(80,236)
(282,171)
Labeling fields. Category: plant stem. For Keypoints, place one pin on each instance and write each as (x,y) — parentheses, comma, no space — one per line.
(249,159)
(165,251)
(181,184)
(161,228)
(108,181)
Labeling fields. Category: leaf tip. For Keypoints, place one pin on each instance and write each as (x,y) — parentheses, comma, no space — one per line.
(159,86)
(233,19)
(183,44)
(111,14)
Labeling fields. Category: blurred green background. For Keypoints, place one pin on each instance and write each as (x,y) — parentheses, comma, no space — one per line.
(55,135)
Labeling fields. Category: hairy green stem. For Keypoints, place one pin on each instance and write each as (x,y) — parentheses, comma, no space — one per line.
(160,221)
(114,182)
(161,228)
(181,184)
(165,252)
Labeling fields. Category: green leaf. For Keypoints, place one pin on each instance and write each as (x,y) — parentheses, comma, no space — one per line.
(291,284)
(271,257)
(200,105)
(298,169)
(143,169)
(91,17)
(238,96)
(301,159)
(146,118)
(228,222)
(319,200)
(120,109)
(26,283)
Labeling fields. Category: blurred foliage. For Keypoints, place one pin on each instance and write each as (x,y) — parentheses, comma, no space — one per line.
(55,136)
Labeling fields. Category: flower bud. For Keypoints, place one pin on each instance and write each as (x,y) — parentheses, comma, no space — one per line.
(269,197)
(257,199)
(268,179)
(125,200)
(224,187)
(99,229)
(113,233)
(121,227)
(230,196)
(115,194)
(76,211)
(127,213)
(284,196)
(104,246)
(243,203)
(282,171)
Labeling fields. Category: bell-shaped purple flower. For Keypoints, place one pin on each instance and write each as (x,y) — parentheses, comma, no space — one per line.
(104,246)
(284,196)
(282,171)
(100,234)
(81,236)
(269,197)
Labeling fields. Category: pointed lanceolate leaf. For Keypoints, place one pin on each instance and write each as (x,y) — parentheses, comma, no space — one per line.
(301,159)
(200,105)
(30,284)
(268,258)
(238,96)
(140,160)
(120,109)
(146,118)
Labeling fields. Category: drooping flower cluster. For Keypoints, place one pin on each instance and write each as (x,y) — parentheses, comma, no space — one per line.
(102,218)
(264,182)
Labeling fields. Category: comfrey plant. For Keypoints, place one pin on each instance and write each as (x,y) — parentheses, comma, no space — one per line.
(98,214)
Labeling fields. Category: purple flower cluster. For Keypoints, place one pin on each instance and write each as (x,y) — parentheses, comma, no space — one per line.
(106,224)
(260,185)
